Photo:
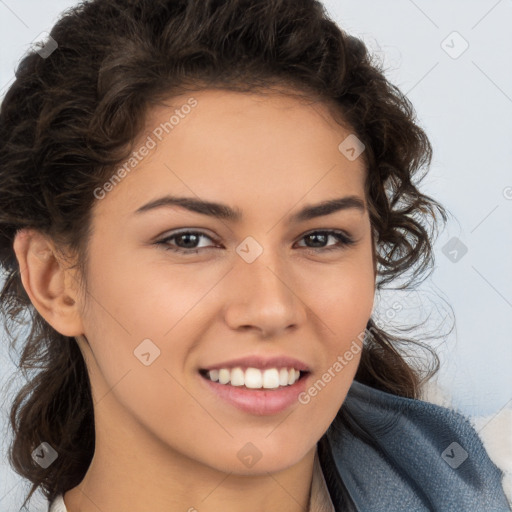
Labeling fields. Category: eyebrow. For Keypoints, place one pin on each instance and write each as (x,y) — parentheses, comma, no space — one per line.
(225,212)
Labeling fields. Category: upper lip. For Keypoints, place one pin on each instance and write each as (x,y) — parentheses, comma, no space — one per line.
(262,363)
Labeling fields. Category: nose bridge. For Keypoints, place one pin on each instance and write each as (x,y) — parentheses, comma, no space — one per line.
(263,270)
(265,295)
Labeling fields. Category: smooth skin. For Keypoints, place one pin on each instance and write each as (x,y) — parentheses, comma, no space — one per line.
(163,440)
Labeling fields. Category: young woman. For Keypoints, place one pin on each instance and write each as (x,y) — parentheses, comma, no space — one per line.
(199,201)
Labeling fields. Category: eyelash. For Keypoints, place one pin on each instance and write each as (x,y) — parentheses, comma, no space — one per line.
(343,238)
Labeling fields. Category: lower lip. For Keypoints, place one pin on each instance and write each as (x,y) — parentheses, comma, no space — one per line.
(260,402)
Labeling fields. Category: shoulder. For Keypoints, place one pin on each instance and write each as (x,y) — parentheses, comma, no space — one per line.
(403,454)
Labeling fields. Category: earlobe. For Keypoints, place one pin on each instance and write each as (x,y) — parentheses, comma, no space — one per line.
(50,287)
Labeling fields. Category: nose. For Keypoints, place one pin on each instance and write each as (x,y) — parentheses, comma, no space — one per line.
(265,297)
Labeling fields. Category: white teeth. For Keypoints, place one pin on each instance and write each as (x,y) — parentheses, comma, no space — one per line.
(283,377)
(271,378)
(224,376)
(237,377)
(254,378)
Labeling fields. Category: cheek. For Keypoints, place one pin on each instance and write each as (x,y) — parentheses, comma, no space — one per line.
(344,302)
(343,297)
(349,312)
(148,317)
(137,299)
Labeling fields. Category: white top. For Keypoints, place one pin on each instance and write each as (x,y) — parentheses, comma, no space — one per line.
(320,498)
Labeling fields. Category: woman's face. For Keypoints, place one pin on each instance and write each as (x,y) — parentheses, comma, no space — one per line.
(262,285)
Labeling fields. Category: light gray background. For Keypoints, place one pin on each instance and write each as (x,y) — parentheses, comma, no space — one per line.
(465,106)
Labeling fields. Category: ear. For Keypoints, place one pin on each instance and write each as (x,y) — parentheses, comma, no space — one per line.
(52,289)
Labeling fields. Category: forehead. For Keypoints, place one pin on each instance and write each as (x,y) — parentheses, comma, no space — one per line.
(273,113)
(218,144)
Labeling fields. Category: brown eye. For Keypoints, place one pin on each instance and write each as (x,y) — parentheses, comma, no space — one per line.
(320,238)
(185,242)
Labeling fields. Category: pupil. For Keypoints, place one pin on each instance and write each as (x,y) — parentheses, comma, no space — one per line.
(188,236)
(317,236)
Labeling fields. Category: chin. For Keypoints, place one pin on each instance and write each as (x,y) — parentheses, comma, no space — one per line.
(254,459)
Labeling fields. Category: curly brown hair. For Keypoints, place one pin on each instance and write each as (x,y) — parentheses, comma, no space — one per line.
(69,119)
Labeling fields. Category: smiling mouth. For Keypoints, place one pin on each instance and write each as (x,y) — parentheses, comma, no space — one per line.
(254,378)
